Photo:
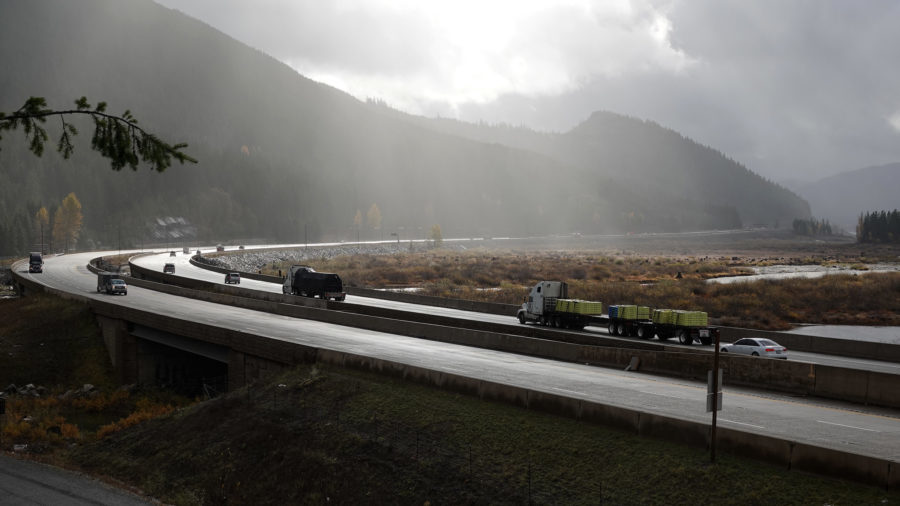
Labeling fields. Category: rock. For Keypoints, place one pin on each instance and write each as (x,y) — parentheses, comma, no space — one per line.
(87,388)
(11,389)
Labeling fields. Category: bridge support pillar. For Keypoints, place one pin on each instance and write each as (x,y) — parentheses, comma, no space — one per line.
(122,348)
(236,374)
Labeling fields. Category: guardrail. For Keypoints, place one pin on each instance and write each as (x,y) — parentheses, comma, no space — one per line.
(794,455)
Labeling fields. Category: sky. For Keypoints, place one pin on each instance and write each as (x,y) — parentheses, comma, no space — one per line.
(792,89)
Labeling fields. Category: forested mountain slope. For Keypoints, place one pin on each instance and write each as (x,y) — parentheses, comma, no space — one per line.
(280,154)
(843,197)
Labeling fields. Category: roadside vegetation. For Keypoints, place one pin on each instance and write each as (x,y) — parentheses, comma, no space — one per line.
(657,281)
(59,384)
(316,435)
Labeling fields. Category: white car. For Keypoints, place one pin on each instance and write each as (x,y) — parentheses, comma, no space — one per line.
(756,347)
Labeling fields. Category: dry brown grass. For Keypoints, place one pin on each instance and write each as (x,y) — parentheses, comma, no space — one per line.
(493,276)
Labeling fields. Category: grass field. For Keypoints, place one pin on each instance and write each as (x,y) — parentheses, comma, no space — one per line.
(316,435)
(506,276)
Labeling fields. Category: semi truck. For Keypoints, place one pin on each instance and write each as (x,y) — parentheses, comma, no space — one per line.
(305,281)
(645,323)
(549,304)
(35,262)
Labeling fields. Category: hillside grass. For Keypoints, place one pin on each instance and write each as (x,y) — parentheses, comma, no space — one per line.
(649,280)
(324,435)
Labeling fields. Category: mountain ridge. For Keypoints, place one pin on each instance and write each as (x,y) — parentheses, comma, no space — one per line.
(281,155)
(841,198)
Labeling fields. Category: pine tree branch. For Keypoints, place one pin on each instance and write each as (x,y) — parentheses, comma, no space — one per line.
(118,138)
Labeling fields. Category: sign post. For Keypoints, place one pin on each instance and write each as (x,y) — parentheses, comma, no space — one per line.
(714,398)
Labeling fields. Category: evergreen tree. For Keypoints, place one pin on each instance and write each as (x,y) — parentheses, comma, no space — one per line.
(117,138)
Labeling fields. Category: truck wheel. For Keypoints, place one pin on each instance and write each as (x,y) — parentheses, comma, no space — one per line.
(684,337)
(642,332)
(621,330)
(612,329)
(522,318)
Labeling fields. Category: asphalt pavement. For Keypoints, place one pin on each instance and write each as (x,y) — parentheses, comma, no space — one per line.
(24,482)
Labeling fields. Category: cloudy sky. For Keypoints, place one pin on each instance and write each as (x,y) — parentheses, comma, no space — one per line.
(792,89)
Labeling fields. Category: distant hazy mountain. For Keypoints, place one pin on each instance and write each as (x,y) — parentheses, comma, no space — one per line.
(843,197)
(281,155)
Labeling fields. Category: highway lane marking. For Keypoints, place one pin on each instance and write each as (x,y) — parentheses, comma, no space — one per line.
(567,391)
(848,426)
(670,396)
(742,423)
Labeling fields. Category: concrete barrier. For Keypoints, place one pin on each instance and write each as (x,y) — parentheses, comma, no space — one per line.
(673,429)
(625,419)
(841,383)
(841,464)
(883,388)
(748,444)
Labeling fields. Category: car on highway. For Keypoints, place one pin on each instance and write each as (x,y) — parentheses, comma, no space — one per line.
(219,247)
(756,347)
(169,268)
(117,286)
(186,250)
(233,277)
(171,253)
(111,282)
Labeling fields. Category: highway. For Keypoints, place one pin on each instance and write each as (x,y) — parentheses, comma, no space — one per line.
(842,426)
(183,267)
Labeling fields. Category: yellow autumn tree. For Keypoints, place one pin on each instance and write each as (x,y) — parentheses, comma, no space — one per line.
(67,221)
(436,235)
(373,218)
(42,224)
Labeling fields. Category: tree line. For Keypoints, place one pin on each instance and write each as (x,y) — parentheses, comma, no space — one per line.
(812,227)
(40,233)
(879,227)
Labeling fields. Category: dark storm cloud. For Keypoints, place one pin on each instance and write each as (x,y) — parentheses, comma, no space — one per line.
(799,89)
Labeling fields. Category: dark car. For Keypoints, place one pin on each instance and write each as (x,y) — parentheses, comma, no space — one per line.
(233,277)
(171,253)
(219,247)
(169,268)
